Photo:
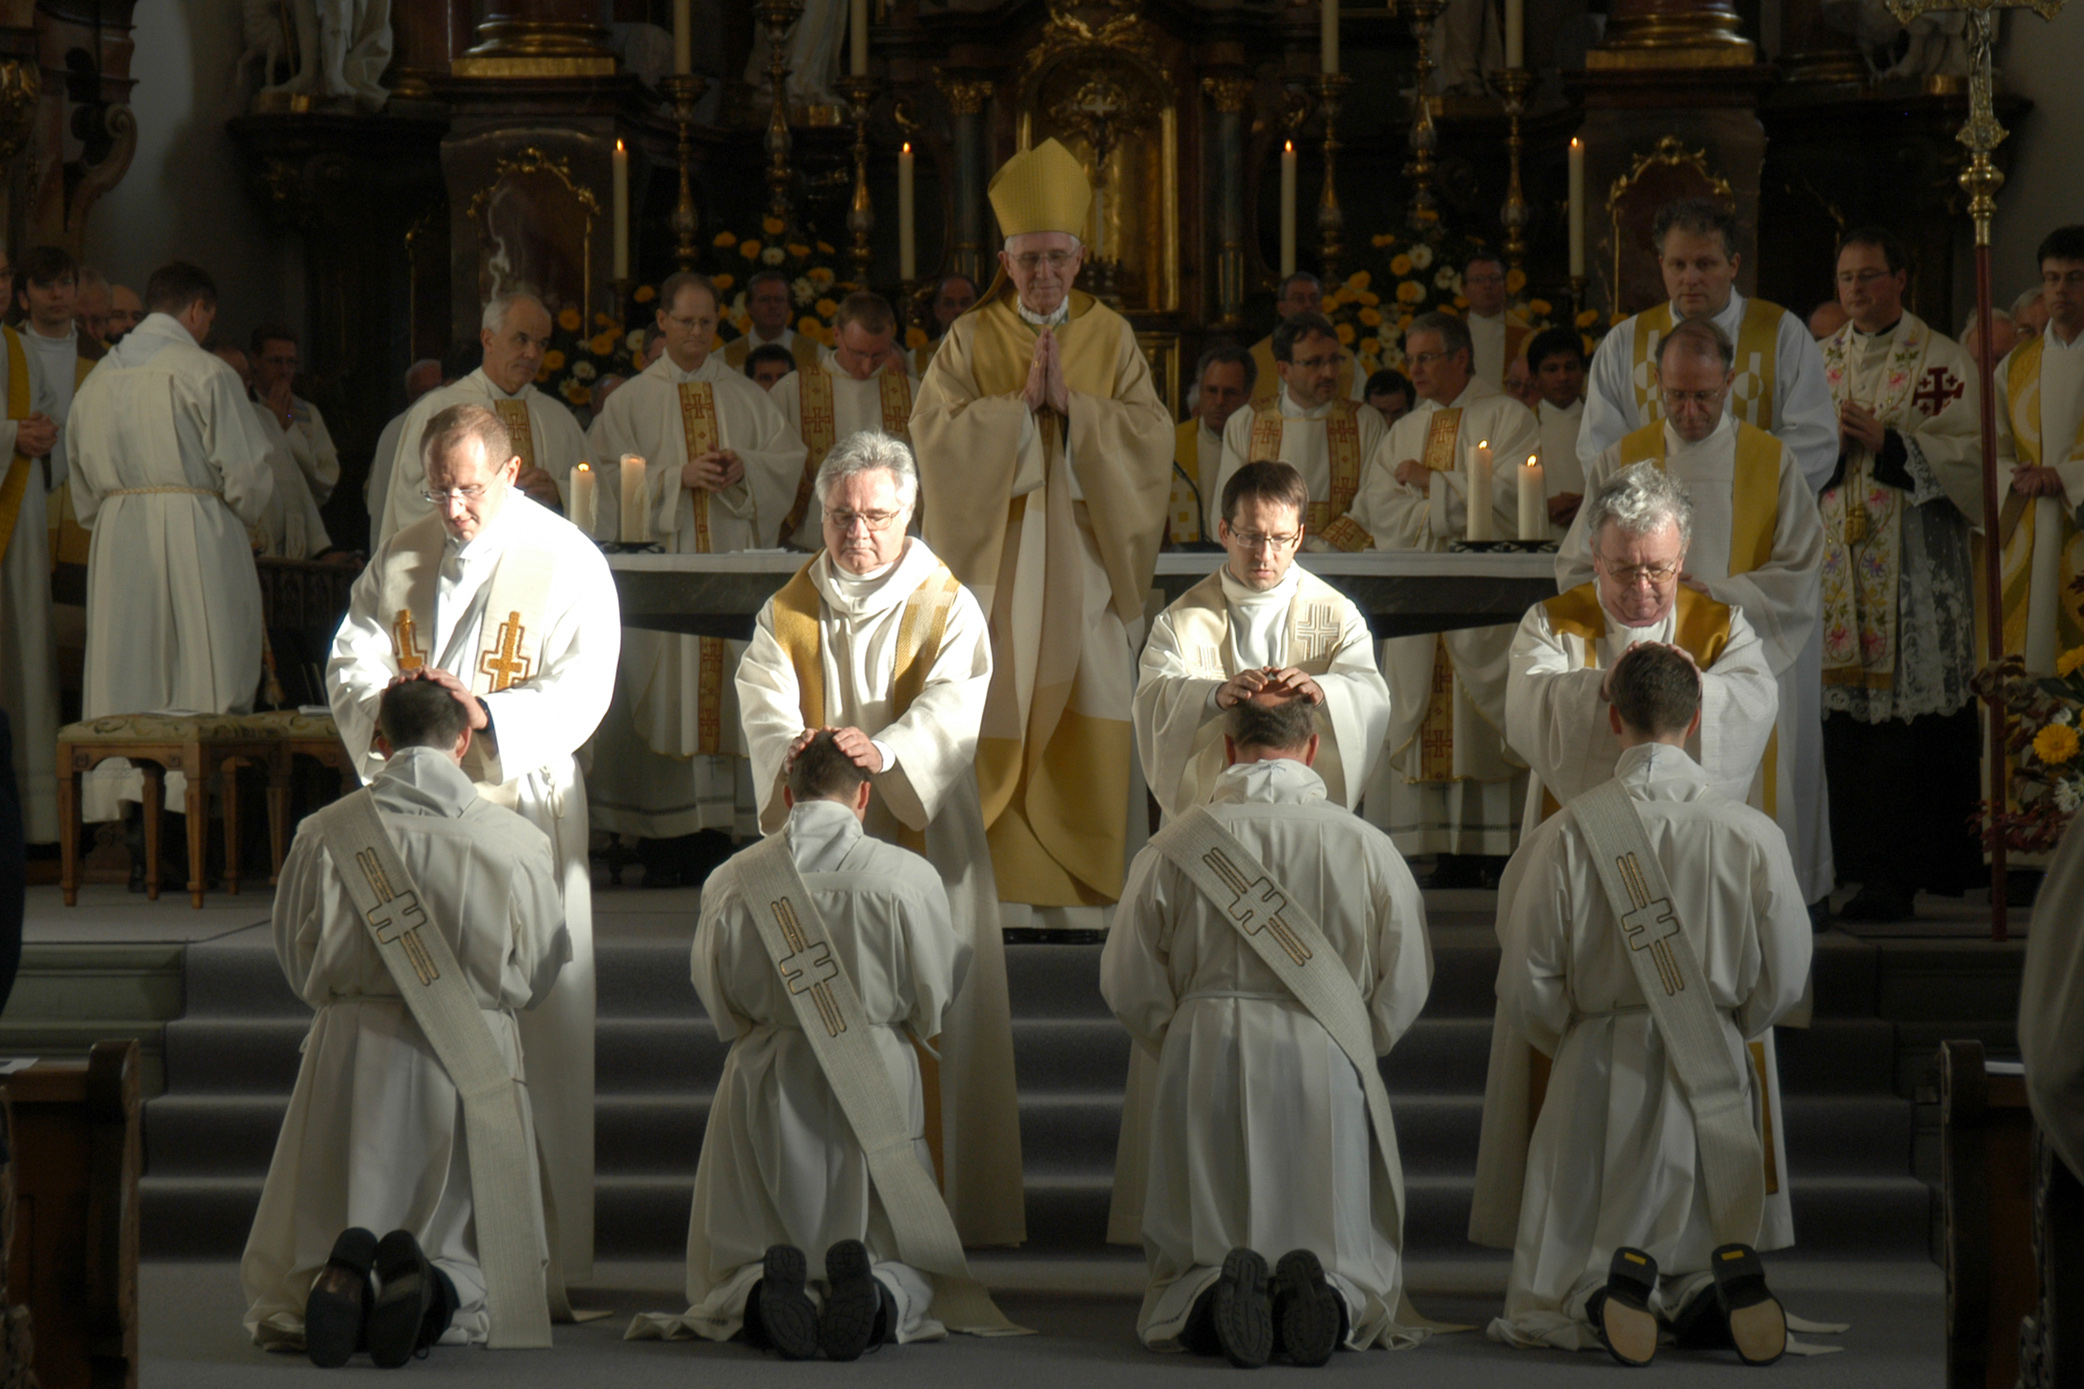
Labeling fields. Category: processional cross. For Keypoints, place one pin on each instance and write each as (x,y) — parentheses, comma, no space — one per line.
(1981,180)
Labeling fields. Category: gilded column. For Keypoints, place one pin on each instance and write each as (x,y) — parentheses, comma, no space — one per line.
(1231,95)
(968,99)
(1672,33)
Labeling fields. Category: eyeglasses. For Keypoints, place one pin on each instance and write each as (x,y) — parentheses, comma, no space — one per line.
(1257,540)
(1629,575)
(1426,359)
(1862,278)
(1672,397)
(845,521)
(1031,261)
(453,494)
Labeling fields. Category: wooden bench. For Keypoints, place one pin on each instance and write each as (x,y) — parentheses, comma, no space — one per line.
(1986,1184)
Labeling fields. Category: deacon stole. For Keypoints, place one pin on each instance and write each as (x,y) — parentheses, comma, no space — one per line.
(699,431)
(1436,730)
(1326,519)
(520,429)
(15,486)
(1752,395)
(2022,391)
(820,428)
(1183,512)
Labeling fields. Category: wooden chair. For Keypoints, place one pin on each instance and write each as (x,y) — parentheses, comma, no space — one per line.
(1986,1184)
(201,747)
(315,736)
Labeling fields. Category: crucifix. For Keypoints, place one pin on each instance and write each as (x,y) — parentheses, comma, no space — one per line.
(1981,180)
(506,665)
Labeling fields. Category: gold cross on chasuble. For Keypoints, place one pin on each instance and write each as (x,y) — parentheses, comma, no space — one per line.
(520,430)
(1317,634)
(502,662)
(405,642)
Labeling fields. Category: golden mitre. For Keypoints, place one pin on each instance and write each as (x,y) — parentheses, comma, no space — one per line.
(1041,190)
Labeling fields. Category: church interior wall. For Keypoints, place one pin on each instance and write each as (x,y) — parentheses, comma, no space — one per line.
(2038,59)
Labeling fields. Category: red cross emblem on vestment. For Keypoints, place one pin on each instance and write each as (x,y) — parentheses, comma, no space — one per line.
(1939,387)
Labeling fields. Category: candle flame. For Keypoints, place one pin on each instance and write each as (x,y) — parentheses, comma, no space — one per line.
(1532,459)
(584,469)
(908,147)
(1483,443)
(1289,146)
(618,147)
(1576,143)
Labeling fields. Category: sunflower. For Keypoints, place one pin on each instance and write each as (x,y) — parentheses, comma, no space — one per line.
(1400,265)
(771,225)
(646,293)
(568,319)
(915,337)
(725,241)
(553,359)
(2055,744)
(2069,660)
(1411,292)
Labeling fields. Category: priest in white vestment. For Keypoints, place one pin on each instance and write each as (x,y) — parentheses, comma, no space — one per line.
(876,639)
(290,527)
(1222,384)
(516,612)
(1497,334)
(1616,1160)
(720,472)
(1757,545)
(769,300)
(28,648)
(290,420)
(1450,785)
(376,488)
(1263,1144)
(1556,367)
(1300,292)
(374,1136)
(781,1164)
(858,383)
(514,332)
(168,471)
(1323,435)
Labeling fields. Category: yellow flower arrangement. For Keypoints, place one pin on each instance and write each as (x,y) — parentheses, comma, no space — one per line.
(826,308)
(1346,334)
(915,337)
(553,359)
(646,293)
(1400,266)
(1371,318)
(771,225)
(749,249)
(2055,744)
(809,326)
(725,241)
(568,319)
(1359,280)
(603,344)
(1370,298)
(1410,292)
(2069,660)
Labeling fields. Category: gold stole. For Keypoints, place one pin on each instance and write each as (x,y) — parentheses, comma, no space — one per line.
(16,484)
(520,429)
(1863,521)
(1183,515)
(2022,390)
(1341,443)
(1201,626)
(698,425)
(1752,397)
(1436,730)
(1702,631)
(821,427)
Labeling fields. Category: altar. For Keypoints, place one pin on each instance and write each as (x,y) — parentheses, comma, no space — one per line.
(1403,592)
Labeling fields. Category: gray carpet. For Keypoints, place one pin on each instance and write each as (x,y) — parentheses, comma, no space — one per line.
(192,1337)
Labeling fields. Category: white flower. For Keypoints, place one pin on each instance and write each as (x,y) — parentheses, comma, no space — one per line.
(1421,255)
(2062,716)
(1445,278)
(773,255)
(804,290)
(585,371)
(635,341)
(2067,797)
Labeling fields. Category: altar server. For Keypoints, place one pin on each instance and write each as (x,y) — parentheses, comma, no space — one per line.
(1498,333)
(1270,947)
(514,612)
(1556,370)
(377,1137)
(1300,292)
(858,383)
(875,638)
(822,953)
(1646,1182)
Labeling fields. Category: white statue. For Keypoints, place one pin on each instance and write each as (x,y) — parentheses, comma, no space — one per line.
(1468,45)
(814,43)
(1934,45)
(341,47)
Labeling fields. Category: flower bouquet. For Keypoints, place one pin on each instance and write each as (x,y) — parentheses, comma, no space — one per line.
(581,353)
(2047,775)
(815,288)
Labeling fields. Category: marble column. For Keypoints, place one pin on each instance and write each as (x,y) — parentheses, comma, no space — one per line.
(1231,95)
(968,101)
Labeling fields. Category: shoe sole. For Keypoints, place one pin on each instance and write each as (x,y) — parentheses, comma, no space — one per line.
(1630,1332)
(1759,1332)
(853,1300)
(332,1325)
(1305,1309)
(785,1311)
(1243,1312)
(408,1290)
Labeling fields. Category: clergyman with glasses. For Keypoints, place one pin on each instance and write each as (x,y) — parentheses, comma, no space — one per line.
(1758,545)
(512,610)
(876,640)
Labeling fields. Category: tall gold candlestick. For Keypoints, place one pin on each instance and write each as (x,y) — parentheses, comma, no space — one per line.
(778,16)
(1515,83)
(684,90)
(860,92)
(1331,222)
(1425,208)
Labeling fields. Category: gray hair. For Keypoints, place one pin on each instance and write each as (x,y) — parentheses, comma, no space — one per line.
(1640,500)
(500,305)
(1007,245)
(1451,329)
(869,451)
(1997,316)
(2025,301)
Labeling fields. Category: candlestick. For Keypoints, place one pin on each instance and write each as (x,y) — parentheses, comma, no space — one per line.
(860,93)
(907,218)
(1479,499)
(857,39)
(622,211)
(1288,209)
(584,509)
(1514,83)
(1425,137)
(1331,222)
(685,91)
(1328,36)
(636,506)
(1577,208)
(1515,33)
(683,38)
(778,16)
(1534,501)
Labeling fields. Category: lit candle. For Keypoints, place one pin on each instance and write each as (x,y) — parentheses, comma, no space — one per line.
(1577,208)
(1288,209)
(683,38)
(1534,501)
(1328,35)
(1478,500)
(583,508)
(857,38)
(622,211)
(636,509)
(1515,33)
(907,218)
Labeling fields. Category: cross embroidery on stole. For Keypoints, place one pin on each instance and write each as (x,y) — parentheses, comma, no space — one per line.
(514,415)
(405,642)
(808,966)
(397,916)
(1651,925)
(502,661)
(1258,906)
(1317,635)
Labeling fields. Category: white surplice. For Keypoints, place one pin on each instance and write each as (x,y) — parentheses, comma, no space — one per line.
(1304,447)
(290,527)
(1260,1136)
(28,646)
(1560,470)
(374,1134)
(856,405)
(651,776)
(1781,600)
(168,470)
(1179,729)
(929,786)
(308,442)
(537,726)
(780,1162)
(1477,810)
(554,437)
(1614,1157)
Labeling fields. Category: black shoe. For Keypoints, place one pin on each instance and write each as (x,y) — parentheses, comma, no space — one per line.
(853,1302)
(406,1293)
(787,1320)
(1243,1313)
(1620,1311)
(1757,1325)
(1308,1317)
(1879,901)
(339,1300)
(440,1312)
